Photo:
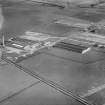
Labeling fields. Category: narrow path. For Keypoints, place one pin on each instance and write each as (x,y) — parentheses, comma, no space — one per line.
(3,99)
(94,90)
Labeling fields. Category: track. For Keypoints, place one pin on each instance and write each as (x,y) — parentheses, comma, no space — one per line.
(46,3)
(49,82)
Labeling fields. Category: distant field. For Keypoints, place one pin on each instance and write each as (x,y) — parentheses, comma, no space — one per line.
(93,17)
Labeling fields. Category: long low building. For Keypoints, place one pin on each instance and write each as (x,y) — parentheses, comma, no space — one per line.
(28,44)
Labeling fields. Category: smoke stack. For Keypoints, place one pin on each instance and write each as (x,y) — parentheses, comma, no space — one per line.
(1,18)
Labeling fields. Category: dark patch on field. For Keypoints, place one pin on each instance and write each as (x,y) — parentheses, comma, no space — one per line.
(93,17)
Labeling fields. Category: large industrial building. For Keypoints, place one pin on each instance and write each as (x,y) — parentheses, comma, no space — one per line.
(52,52)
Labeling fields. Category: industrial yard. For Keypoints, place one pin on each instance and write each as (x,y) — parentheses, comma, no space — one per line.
(52,53)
